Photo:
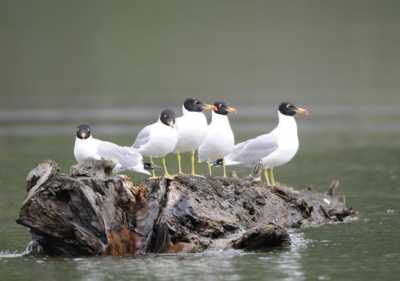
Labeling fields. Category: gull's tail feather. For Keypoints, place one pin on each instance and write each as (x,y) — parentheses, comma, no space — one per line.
(229,162)
(141,169)
(148,166)
(218,162)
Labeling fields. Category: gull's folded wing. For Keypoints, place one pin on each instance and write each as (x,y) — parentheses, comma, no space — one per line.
(250,152)
(126,157)
(142,138)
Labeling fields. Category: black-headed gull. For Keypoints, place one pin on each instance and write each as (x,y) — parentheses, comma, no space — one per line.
(219,140)
(273,149)
(158,139)
(125,158)
(192,129)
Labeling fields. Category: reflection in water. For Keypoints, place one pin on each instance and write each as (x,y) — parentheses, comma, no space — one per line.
(8,255)
(232,265)
(282,264)
(287,264)
(206,266)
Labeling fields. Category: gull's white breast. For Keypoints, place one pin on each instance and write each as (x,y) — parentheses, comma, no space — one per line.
(219,140)
(162,141)
(192,129)
(86,149)
(288,144)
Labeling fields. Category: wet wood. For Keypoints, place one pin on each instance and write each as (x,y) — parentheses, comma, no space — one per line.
(92,212)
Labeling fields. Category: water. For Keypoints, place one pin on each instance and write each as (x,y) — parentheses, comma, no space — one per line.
(365,162)
(116,65)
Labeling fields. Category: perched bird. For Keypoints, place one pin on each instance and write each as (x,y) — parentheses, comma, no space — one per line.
(158,139)
(125,158)
(219,140)
(273,149)
(192,128)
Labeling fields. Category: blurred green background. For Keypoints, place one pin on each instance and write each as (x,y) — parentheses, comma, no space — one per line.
(113,53)
(116,64)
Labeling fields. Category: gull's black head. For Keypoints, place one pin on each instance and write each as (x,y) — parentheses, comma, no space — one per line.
(193,105)
(220,107)
(167,117)
(83,132)
(289,109)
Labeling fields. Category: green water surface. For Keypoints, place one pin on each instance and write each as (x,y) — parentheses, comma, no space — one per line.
(366,164)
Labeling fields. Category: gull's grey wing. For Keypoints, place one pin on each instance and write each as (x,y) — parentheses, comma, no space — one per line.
(126,157)
(250,152)
(142,138)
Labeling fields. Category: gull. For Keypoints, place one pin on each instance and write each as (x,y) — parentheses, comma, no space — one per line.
(158,139)
(273,149)
(192,129)
(219,140)
(125,158)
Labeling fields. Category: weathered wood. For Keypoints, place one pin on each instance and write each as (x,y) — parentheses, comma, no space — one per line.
(92,212)
(262,238)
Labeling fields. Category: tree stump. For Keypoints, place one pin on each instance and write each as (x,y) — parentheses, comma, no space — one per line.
(93,212)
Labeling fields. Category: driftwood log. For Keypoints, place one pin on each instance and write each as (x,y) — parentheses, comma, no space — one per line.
(92,212)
